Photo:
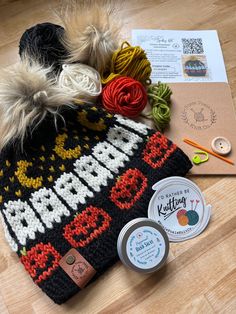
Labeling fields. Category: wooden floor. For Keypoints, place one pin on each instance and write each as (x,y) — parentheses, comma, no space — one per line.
(200,276)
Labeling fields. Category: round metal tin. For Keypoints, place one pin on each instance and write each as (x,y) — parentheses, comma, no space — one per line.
(179,206)
(143,245)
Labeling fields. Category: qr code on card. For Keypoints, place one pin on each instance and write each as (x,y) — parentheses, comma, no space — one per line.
(192,46)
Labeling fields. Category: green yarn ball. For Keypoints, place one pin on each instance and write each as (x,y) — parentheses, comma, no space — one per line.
(159,99)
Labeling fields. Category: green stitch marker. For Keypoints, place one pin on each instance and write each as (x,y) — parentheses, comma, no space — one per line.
(197,159)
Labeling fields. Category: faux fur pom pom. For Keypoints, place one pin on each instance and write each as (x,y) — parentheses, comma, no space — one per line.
(27,95)
(91,32)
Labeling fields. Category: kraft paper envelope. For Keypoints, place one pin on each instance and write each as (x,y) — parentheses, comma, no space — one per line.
(201,112)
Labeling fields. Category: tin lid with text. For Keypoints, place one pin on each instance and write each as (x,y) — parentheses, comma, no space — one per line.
(179,206)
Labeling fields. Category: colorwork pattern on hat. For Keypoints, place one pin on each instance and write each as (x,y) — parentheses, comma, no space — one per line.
(76,187)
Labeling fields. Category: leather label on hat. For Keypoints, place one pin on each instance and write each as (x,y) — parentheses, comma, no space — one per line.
(77,267)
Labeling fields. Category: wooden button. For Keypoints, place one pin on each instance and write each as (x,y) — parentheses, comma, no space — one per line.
(221,145)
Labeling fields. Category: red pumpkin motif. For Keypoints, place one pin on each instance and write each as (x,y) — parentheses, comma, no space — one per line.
(86,226)
(129,188)
(40,261)
(157,150)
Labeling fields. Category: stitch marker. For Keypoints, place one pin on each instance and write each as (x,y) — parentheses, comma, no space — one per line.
(197,160)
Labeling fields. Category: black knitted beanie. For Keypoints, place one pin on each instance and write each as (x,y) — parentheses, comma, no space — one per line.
(76,187)
(43,43)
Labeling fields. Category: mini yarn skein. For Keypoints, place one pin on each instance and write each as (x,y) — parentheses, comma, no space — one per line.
(129,61)
(125,96)
(159,99)
(81,81)
(42,43)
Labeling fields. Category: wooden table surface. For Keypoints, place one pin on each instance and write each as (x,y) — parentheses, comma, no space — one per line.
(200,276)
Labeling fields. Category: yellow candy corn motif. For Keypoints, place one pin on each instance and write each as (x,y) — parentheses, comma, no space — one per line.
(62,151)
(62,168)
(6,188)
(18,193)
(8,164)
(1,173)
(52,157)
(12,179)
(52,169)
(42,158)
(50,178)
(95,126)
(21,174)
(1,198)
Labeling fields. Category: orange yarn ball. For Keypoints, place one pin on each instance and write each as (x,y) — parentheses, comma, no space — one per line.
(183,220)
(125,96)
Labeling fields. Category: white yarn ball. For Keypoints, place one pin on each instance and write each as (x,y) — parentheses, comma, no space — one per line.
(81,81)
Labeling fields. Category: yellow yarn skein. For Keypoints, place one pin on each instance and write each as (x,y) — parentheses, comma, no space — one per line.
(129,61)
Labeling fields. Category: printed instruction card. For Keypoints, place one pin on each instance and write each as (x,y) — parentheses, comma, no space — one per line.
(182,56)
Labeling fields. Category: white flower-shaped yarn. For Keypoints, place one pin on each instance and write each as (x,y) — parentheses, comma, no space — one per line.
(81,81)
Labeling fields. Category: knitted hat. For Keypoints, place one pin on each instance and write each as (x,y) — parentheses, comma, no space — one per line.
(75,188)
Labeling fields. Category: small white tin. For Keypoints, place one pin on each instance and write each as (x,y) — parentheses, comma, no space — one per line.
(143,245)
(179,206)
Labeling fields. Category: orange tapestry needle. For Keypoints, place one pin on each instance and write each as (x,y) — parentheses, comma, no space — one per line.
(194,144)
